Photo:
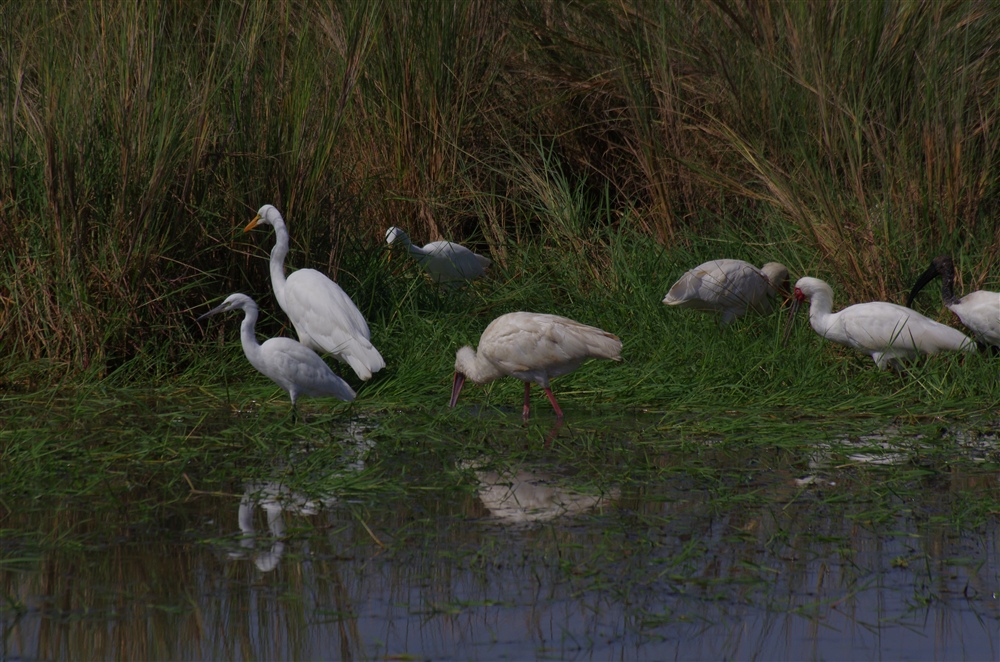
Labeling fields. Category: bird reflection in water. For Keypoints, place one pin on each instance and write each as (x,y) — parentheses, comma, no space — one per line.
(276,499)
(525,497)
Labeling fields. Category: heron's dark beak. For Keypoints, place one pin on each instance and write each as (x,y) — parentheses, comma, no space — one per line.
(456,388)
(252,224)
(797,299)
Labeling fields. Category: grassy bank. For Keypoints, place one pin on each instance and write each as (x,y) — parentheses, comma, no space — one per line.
(594,150)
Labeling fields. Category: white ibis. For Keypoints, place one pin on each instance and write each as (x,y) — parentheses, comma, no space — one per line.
(445,261)
(979,311)
(289,364)
(534,348)
(729,287)
(324,317)
(884,330)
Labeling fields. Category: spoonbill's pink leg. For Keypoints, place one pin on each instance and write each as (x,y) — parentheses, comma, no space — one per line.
(527,400)
(552,399)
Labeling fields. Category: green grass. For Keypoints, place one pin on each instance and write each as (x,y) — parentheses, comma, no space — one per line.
(564,140)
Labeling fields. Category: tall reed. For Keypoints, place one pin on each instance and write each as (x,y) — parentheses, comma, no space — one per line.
(852,141)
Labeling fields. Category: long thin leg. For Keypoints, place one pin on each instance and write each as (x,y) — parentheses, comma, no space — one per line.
(527,400)
(552,399)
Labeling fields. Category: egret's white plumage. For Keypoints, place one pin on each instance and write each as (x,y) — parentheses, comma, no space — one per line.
(728,287)
(324,317)
(979,311)
(445,261)
(884,330)
(289,364)
(534,348)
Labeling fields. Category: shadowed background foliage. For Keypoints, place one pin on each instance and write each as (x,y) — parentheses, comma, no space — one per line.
(570,141)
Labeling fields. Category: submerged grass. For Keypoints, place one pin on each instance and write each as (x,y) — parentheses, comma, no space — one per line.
(685,514)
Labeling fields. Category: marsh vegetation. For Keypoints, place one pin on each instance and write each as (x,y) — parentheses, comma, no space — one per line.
(716,494)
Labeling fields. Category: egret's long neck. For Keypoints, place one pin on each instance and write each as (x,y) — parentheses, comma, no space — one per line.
(820,309)
(278,254)
(415,251)
(247,336)
(476,367)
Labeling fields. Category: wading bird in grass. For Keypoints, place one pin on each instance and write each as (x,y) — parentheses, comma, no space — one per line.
(886,331)
(534,348)
(979,311)
(444,261)
(324,317)
(289,364)
(729,287)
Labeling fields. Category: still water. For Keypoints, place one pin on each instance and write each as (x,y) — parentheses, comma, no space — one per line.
(412,537)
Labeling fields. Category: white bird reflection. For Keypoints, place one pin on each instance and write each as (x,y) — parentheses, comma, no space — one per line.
(276,499)
(892,446)
(522,497)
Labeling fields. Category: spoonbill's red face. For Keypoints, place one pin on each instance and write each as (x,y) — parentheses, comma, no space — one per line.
(799,295)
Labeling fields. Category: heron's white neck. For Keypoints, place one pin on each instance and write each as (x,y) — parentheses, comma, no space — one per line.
(475,367)
(278,254)
(247,336)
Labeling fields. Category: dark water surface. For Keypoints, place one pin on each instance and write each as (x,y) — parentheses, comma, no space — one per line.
(416,538)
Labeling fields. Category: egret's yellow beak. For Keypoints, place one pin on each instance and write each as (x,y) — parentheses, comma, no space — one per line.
(252,224)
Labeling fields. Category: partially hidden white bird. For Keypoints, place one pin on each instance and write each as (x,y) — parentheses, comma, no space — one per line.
(535,348)
(884,330)
(288,363)
(729,287)
(979,311)
(444,261)
(325,318)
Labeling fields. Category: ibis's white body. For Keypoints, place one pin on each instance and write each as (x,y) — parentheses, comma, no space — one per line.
(978,311)
(444,261)
(883,330)
(728,287)
(535,348)
(325,318)
(291,365)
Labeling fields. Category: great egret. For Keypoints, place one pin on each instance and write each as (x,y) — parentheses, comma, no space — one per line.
(445,261)
(324,317)
(532,347)
(289,364)
(729,287)
(979,311)
(884,330)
